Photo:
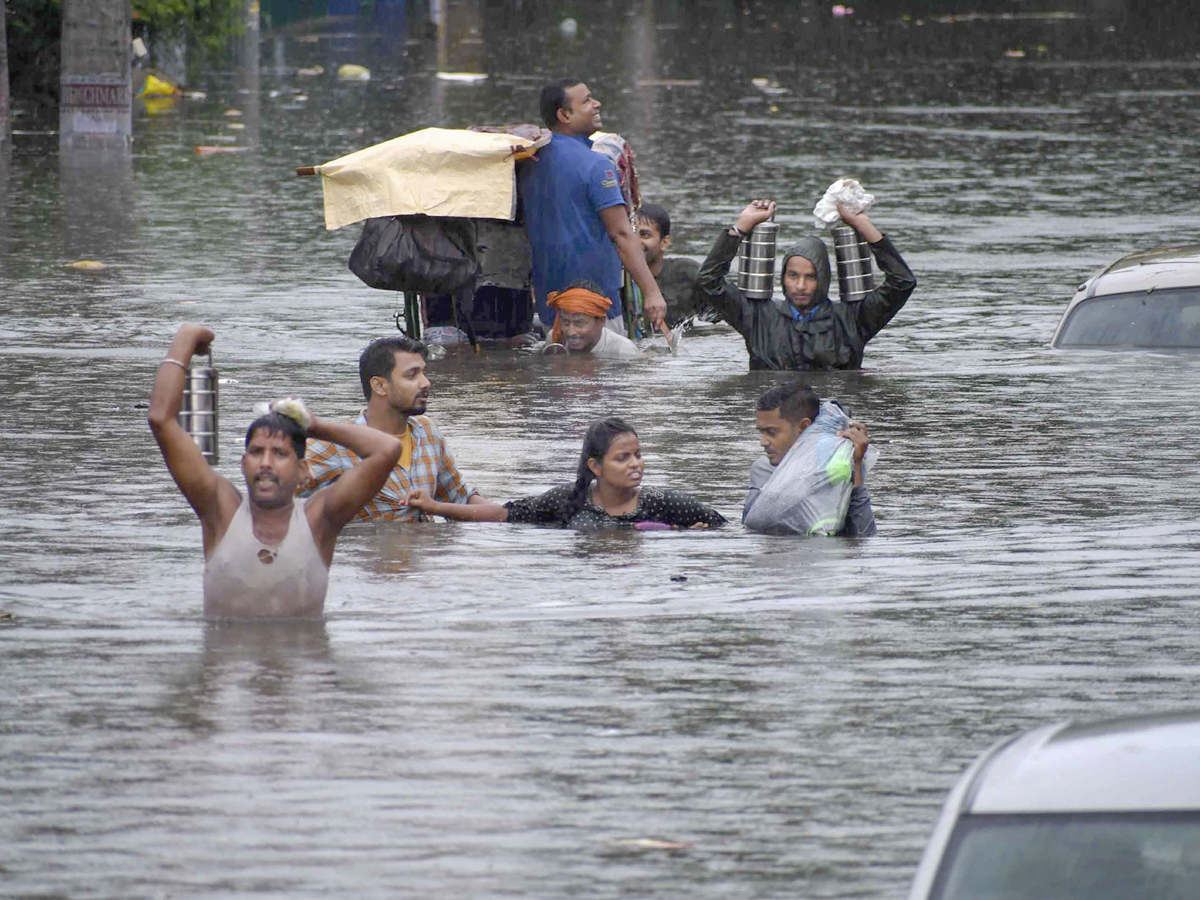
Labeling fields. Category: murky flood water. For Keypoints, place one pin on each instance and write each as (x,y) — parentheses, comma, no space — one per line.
(493,710)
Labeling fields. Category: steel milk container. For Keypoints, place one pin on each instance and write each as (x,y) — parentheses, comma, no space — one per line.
(853,263)
(198,413)
(756,261)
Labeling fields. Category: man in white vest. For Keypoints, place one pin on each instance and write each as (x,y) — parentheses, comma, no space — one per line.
(266,553)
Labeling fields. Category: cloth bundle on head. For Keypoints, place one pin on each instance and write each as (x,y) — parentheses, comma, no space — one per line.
(578,300)
(847,192)
(292,407)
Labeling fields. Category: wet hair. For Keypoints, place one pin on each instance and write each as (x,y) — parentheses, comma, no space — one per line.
(599,438)
(554,98)
(652,212)
(380,358)
(795,400)
(277,423)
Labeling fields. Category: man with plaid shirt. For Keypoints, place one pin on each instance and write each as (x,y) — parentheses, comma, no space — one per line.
(392,371)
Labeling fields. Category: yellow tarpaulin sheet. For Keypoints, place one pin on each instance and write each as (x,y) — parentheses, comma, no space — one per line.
(434,172)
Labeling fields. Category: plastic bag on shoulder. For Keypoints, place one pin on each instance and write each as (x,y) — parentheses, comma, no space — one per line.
(809,491)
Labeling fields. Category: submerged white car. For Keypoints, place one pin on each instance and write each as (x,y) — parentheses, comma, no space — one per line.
(1149,299)
(1103,811)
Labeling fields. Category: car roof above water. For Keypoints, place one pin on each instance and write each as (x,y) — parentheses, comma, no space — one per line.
(1143,763)
(1149,270)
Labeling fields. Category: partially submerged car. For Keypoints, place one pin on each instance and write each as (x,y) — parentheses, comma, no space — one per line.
(1102,811)
(1149,299)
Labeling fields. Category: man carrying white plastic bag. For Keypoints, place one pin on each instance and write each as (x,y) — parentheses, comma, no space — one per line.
(811,481)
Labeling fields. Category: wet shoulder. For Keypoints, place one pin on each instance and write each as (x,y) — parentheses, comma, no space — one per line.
(760,472)
(680,268)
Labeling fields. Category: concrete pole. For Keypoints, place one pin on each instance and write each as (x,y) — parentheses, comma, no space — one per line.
(248,63)
(96,99)
(5,127)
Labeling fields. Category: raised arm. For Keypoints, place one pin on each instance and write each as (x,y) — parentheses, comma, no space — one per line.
(337,504)
(629,248)
(712,281)
(203,488)
(875,310)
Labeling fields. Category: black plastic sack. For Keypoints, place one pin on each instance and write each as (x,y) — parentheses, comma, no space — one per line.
(416,253)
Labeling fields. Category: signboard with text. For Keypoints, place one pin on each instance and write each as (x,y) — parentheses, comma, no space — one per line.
(96,105)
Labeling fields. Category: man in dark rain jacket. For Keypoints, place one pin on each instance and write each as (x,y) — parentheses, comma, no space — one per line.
(805,330)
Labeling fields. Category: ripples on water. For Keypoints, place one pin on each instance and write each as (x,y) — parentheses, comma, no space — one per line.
(493,710)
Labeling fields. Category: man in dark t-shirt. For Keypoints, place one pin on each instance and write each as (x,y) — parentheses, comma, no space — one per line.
(676,276)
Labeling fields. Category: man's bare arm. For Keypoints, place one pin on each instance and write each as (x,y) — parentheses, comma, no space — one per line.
(199,483)
(629,248)
(341,501)
(475,510)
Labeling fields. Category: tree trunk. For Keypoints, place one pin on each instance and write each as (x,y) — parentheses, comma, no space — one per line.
(96,108)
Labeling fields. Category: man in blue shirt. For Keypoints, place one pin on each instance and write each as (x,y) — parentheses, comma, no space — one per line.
(575,215)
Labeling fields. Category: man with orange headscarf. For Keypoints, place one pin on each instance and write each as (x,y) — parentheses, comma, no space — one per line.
(580,313)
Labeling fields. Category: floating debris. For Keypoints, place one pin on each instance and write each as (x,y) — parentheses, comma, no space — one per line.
(353,72)
(202,150)
(463,77)
(669,82)
(311,70)
(85,265)
(650,844)
(768,86)
(232,113)
(154,86)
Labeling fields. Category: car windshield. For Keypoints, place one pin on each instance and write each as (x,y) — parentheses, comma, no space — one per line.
(1165,318)
(1091,856)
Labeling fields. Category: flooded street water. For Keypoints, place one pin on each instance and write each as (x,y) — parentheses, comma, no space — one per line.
(506,711)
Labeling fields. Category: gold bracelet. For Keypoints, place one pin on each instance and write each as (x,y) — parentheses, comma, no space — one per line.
(167,359)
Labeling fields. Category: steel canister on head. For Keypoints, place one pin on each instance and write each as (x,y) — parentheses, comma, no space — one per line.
(853,255)
(756,261)
(198,412)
